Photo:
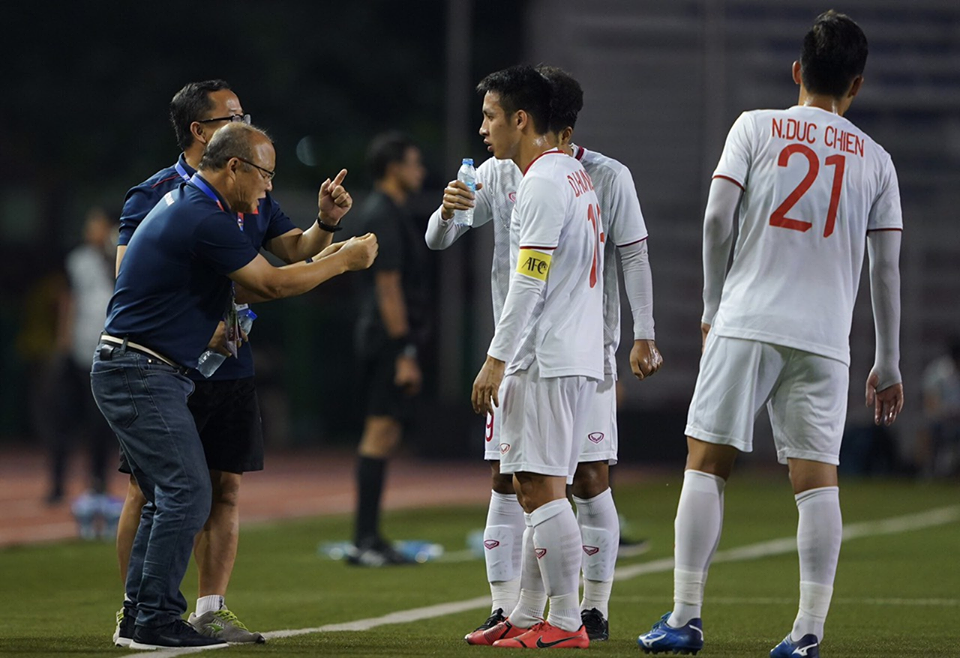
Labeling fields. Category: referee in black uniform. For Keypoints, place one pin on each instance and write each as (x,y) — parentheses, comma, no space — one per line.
(390,328)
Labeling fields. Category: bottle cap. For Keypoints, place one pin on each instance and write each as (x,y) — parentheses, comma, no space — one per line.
(468,161)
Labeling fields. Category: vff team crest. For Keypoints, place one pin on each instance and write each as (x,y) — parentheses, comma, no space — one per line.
(596,437)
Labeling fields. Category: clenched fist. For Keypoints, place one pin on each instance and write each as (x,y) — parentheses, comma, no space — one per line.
(359,253)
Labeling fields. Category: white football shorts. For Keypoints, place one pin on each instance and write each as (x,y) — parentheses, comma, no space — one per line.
(600,425)
(600,437)
(805,394)
(540,419)
(491,433)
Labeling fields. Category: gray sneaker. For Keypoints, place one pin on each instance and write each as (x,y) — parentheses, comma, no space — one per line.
(224,625)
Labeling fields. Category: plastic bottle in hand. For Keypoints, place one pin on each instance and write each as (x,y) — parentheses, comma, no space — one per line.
(468,176)
(210,360)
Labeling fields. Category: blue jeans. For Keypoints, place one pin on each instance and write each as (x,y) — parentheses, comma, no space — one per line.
(145,402)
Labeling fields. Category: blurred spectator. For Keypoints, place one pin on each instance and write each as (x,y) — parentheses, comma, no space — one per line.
(941,409)
(390,330)
(82,311)
(37,332)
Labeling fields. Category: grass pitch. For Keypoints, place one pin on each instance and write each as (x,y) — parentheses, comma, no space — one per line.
(896,592)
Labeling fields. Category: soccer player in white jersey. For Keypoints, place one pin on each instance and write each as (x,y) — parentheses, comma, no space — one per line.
(812,191)
(547,350)
(623,231)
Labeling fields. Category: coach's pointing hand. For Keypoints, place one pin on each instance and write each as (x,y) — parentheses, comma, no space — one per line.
(359,253)
(334,201)
(486,387)
(456,196)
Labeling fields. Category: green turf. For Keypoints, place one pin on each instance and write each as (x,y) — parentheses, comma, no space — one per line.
(896,594)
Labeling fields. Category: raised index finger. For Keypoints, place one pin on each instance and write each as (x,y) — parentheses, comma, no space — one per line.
(339,179)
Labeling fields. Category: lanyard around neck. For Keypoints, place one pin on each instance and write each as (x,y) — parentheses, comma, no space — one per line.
(206,189)
(182,171)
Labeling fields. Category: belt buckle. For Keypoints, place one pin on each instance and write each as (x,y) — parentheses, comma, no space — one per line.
(106,351)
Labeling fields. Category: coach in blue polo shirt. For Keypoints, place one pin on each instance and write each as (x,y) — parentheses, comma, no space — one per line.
(224,405)
(173,287)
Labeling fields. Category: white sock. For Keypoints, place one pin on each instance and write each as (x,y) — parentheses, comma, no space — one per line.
(697,530)
(502,544)
(504,595)
(819,532)
(210,603)
(559,547)
(533,597)
(600,528)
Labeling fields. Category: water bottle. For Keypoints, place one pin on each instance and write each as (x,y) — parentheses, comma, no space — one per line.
(467,175)
(110,510)
(86,511)
(210,360)
(418,550)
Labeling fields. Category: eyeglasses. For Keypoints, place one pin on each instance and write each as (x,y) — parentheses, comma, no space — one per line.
(266,173)
(233,118)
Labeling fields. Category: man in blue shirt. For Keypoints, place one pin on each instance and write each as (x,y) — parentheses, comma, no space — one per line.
(225,406)
(172,289)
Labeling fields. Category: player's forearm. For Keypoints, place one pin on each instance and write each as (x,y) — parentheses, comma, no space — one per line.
(718,224)
(638,285)
(441,233)
(517,309)
(883,248)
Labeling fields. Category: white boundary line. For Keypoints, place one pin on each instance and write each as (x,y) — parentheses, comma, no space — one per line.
(787,600)
(894,525)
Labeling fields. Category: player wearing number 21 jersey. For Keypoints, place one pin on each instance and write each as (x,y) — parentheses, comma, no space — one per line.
(810,192)
(813,185)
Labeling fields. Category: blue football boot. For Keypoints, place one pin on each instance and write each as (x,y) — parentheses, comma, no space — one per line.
(663,638)
(807,647)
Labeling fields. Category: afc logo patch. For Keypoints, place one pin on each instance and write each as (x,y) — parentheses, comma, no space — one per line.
(490,544)
(504,448)
(591,550)
(540,552)
(595,437)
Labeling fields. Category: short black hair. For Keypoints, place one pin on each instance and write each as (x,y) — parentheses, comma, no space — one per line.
(834,53)
(234,140)
(189,105)
(522,87)
(567,99)
(385,149)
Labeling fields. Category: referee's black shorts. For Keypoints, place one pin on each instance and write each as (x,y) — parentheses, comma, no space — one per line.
(227,414)
(382,397)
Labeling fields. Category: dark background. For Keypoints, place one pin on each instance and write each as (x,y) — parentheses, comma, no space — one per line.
(84,117)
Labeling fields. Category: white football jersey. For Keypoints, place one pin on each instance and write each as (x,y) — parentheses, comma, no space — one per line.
(623,225)
(494,203)
(557,215)
(813,185)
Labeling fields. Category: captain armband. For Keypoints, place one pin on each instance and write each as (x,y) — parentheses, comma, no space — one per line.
(534,264)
